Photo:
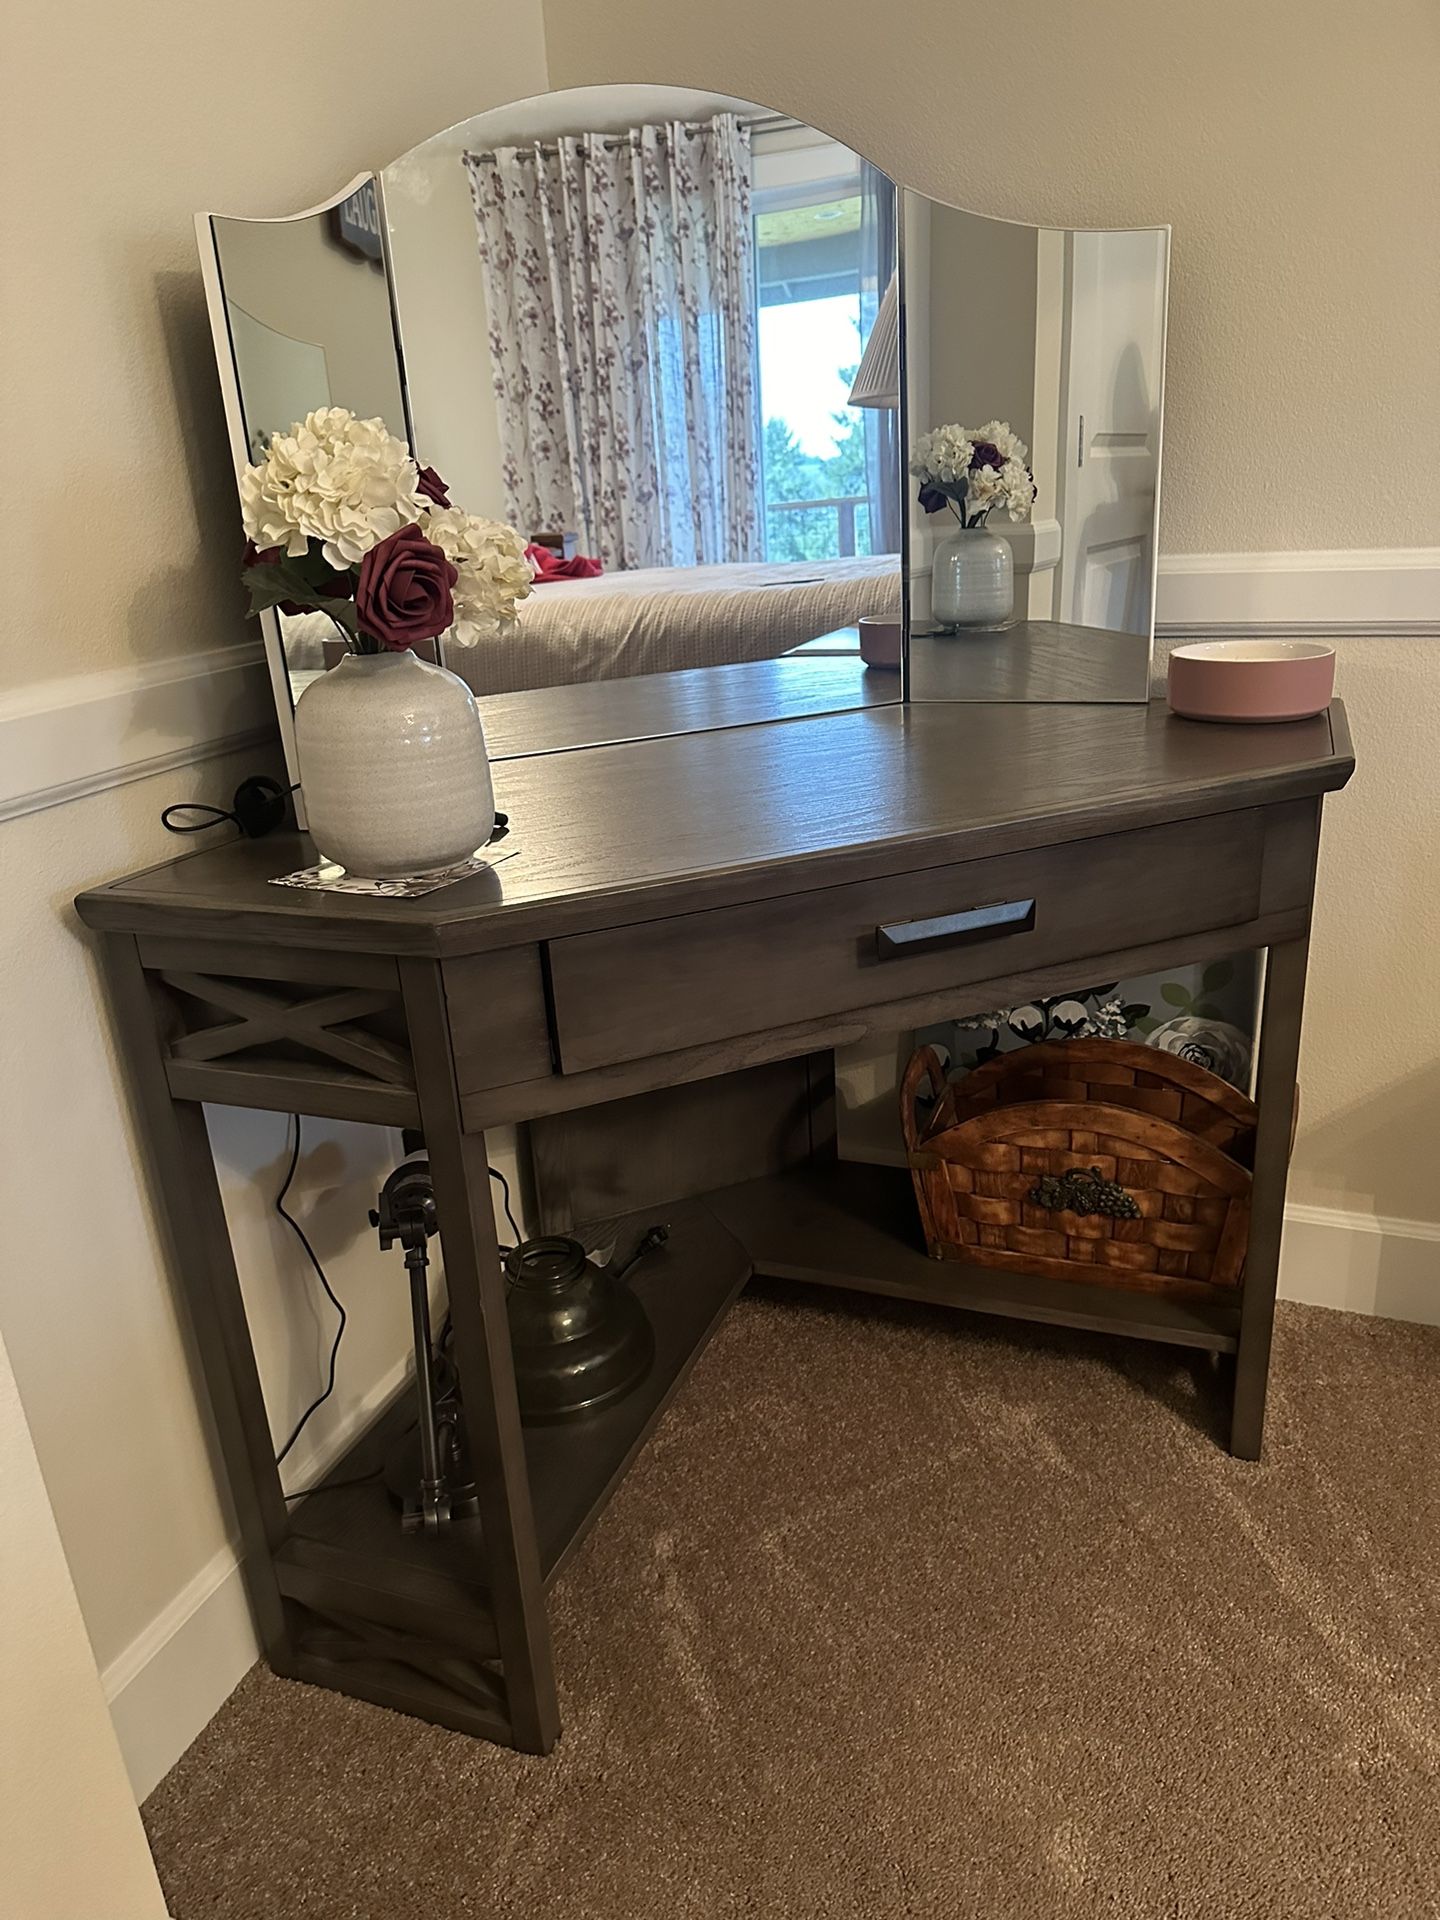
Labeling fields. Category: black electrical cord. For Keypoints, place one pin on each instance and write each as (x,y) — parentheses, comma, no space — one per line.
(330,1292)
(299,1232)
(495,1174)
(259,807)
(206,816)
(334,1486)
(447,1325)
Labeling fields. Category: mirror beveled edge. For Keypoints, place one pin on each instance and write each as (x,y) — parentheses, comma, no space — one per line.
(607,711)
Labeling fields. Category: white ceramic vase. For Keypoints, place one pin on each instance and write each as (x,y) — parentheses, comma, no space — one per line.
(974,580)
(393,768)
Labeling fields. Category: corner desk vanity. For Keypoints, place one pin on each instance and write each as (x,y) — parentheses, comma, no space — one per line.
(656,984)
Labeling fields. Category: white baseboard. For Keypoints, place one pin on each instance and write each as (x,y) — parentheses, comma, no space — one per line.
(63,739)
(177,1673)
(1387,591)
(1362,1263)
(172,1680)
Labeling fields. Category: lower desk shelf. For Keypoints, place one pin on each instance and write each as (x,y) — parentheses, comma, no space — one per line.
(849,1224)
(346,1545)
(839,1224)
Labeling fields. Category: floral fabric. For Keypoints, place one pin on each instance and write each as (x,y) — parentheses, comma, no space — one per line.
(619,278)
(1204,1014)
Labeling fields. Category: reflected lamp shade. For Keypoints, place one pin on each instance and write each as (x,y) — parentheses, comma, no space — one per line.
(877,378)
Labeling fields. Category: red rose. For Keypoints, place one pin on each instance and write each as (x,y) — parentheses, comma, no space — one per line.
(404,592)
(433,487)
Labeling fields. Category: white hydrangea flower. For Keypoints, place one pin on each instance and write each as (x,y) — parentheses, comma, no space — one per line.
(984,490)
(1011,488)
(1008,445)
(345,482)
(494,574)
(1016,492)
(942,457)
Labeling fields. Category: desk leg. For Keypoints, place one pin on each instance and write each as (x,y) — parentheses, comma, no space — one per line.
(459,1169)
(187,1195)
(1275,1092)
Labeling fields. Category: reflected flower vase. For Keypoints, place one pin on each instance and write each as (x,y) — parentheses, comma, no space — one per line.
(973,585)
(393,768)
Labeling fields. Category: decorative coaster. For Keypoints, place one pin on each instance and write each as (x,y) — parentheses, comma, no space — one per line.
(325,877)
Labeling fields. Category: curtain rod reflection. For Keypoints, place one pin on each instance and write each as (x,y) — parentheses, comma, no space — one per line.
(758,123)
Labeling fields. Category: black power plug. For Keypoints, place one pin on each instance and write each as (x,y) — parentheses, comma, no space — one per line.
(259,806)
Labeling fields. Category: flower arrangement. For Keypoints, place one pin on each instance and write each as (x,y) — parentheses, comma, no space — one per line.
(338,517)
(974,471)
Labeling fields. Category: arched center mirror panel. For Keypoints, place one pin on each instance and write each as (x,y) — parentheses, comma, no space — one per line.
(665,336)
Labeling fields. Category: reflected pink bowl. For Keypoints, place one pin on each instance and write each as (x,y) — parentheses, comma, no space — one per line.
(880,641)
(1254,681)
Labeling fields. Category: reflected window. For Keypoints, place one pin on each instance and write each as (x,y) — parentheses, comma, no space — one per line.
(807,208)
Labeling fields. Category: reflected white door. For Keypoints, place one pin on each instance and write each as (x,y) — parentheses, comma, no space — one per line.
(1113,359)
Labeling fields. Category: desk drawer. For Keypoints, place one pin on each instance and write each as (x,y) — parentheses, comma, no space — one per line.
(631,992)
(498,1025)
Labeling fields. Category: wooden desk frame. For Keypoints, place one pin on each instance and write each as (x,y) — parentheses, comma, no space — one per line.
(450,1015)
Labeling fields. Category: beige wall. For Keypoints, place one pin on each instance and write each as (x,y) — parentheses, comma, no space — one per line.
(1295,148)
(118,124)
(1296,152)
(71,1843)
(1370,1073)
(983,297)
(120,546)
(101,1350)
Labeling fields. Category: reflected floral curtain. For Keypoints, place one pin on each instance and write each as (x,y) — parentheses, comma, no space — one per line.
(619,281)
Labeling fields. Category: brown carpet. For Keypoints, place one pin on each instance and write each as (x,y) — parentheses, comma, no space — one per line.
(903,1614)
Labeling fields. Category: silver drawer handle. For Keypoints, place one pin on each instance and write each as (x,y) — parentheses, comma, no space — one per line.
(946,929)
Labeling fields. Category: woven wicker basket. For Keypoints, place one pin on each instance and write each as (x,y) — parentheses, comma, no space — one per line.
(1175,1137)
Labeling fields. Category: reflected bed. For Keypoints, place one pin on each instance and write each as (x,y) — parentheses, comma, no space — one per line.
(658,620)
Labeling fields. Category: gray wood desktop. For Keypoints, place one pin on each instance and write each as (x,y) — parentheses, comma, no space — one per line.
(1030,660)
(657,983)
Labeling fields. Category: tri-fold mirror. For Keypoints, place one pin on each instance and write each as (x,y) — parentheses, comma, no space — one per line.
(752,407)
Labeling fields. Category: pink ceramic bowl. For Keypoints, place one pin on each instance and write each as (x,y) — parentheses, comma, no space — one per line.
(880,641)
(1252,680)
